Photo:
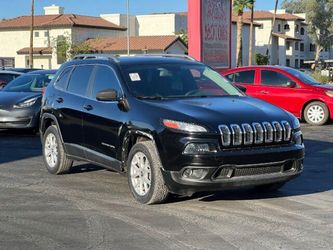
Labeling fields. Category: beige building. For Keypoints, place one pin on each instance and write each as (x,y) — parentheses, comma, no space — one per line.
(290,43)
(49,28)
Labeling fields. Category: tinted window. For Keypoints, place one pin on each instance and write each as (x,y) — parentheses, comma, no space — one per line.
(105,78)
(230,77)
(6,78)
(63,79)
(273,78)
(244,77)
(79,80)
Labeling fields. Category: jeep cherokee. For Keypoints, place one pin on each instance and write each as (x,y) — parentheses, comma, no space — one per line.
(171,123)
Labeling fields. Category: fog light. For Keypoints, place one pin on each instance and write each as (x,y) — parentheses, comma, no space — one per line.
(195,173)
(200,148)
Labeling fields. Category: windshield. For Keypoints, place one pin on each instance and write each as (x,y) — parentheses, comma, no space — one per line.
(29,83)
(303,77)
(177,81)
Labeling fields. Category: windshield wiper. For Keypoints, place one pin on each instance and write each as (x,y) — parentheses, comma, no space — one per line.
(153,97)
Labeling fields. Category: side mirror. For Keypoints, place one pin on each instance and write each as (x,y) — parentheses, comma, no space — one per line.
(242,88)
(107,95)
(291,84)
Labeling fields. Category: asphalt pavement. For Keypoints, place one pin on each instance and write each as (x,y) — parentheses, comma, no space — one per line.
(91,208)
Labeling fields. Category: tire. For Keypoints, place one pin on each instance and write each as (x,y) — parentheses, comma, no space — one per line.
(144,174)
(270,187)
(52,147)
(316,113)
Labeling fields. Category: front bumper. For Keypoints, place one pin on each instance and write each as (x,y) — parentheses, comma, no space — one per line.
(19,119)
(234,176)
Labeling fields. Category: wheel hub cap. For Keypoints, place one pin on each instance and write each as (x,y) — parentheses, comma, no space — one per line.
(316,114)
(140,174)
(51,150)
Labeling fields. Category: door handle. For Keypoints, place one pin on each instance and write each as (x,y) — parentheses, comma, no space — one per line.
(59,100)
(88,107)
(264,92)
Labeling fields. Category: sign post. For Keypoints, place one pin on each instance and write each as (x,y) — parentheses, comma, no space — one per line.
(209,28)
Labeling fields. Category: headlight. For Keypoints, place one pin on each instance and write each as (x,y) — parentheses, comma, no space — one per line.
(26,103)
(329,93)
(183,126)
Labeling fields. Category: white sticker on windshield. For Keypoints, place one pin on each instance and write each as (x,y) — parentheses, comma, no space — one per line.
(135,77)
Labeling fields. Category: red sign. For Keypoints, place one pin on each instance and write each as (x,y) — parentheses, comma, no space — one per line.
(211,41)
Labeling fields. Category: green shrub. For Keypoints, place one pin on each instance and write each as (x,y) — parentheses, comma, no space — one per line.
(261,59)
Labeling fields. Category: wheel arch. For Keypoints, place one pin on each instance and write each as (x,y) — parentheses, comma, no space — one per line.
(46,121)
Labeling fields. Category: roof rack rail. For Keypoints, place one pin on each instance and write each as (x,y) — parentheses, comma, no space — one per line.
(171,55)
(96,56)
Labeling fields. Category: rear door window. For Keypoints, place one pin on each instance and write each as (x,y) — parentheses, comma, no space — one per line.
(79,80)
(246,77)
(273,78)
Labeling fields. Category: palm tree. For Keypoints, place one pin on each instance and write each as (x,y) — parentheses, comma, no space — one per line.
(239,7)
(251,34)
(31,50)
(273,25)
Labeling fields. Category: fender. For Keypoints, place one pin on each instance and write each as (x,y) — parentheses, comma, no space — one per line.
(42,125)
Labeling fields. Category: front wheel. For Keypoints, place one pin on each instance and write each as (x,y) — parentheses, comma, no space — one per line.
(144,174)
(316,113)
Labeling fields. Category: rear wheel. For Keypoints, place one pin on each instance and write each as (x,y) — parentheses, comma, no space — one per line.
(316,113)
(144,174)
(54,155)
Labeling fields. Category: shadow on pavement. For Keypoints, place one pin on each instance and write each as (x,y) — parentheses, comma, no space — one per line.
(18,145)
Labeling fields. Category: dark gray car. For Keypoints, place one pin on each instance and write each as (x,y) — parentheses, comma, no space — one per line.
(20,100)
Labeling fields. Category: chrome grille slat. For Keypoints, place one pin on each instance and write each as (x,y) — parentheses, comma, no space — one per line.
(255,134)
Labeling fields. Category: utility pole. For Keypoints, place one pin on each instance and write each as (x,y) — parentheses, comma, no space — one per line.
(31,49)
(128,28)
(251,35)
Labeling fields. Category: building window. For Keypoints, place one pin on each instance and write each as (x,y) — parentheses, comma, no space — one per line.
(302,31)
(312,47)
(36,34)
(288,45)
(261,27)
(296,46)
(46,34)
(279,28)
(296,63)
(297,28)
(288,62)
(287,27)
(302,46)
(302,63)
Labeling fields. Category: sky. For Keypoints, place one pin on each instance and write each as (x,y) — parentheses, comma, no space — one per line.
(14,8)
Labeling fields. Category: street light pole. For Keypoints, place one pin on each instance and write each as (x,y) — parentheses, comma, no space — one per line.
(128,28)
(31,49)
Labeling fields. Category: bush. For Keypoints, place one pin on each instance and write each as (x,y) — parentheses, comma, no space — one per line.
(320,78)
(261,59)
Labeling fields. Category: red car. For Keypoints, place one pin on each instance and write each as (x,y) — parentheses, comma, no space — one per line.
(287,88)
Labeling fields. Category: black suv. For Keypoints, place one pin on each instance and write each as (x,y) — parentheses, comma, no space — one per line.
(171,123)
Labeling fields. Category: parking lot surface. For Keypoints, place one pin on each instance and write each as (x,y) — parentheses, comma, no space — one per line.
(91,208)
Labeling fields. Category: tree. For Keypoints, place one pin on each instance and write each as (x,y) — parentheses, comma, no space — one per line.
(183,35)
(319,17)
(239,7)
(251,34)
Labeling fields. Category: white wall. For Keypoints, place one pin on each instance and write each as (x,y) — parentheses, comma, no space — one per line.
(156,25)
(245,44)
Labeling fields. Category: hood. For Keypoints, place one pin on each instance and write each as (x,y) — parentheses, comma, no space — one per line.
(8,99)
(215,111)
(324,87)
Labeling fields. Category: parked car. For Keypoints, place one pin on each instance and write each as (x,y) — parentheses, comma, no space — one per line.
(288,88)
(172,124)
(7,76)
(23,70)
(20,100)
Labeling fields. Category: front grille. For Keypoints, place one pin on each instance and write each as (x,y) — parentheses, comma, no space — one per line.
(256,133)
